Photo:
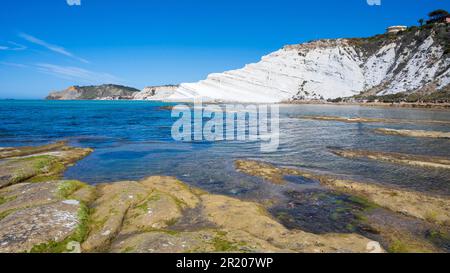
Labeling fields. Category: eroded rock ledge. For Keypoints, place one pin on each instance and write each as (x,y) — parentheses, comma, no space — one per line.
(143,216)
(413,133)
(20,164)
(420,205)
(398,158)
(40,213)
(372,120)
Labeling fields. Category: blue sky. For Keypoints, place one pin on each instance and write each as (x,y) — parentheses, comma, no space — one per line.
(50,45)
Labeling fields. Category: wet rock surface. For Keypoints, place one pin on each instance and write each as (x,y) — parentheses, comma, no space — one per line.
(398,158)
(371,120)
(37,163)
(157,214)
(41,216)
(419,205)
(24,151)
(403,234)
(413,133)
(365,208)
(143,217)
(21,231)
(163,214)
(320,211)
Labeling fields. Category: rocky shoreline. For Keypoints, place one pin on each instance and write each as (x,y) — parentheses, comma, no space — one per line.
(434,106)
(398,158)
(372,120)
(39,212)
(382,206)
(413,133)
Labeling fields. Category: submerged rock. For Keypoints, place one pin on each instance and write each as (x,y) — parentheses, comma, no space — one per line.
(344,119)
(371,120)
(232,214)
(423,206)
(416,204)
(157,214)
(141,216)
(404,234)
(413,133)
(265,170)
(404,221)
(405,159)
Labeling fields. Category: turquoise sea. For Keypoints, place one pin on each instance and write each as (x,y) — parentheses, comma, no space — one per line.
(133,140)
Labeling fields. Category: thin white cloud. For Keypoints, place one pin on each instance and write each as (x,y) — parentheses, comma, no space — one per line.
(69,72)
(17,46)
(14,64)
(54,48)
(77,73)
(13,46)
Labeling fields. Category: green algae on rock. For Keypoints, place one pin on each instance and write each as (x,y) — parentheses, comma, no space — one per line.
(152,215)
(24,229)
(37,218)
(37,163)
(403,234)
(7,152)
(265,171)
(122,221)
(391,216)
(416,204)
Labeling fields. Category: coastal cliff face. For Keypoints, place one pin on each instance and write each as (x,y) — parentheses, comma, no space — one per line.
(155,92)
(107,91)
(113,92)
(417,60)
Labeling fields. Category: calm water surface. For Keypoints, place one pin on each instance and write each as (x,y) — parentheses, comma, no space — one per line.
(132,140)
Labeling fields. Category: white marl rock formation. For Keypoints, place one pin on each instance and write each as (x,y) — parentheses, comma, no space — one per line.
(155,92)
(411,61)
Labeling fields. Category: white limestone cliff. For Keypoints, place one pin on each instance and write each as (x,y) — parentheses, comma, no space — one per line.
(328,69)
(155,92)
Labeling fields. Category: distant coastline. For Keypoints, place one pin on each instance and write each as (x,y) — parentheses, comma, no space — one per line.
(443,106)
(434,106)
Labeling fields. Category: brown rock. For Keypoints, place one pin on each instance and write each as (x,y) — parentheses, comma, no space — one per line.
(398,158)
(114,200)
(421,205)
(24,229)
(47,164)
(24,151)
(413,133)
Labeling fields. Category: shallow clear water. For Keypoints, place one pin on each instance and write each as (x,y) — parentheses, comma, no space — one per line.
(132,140)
